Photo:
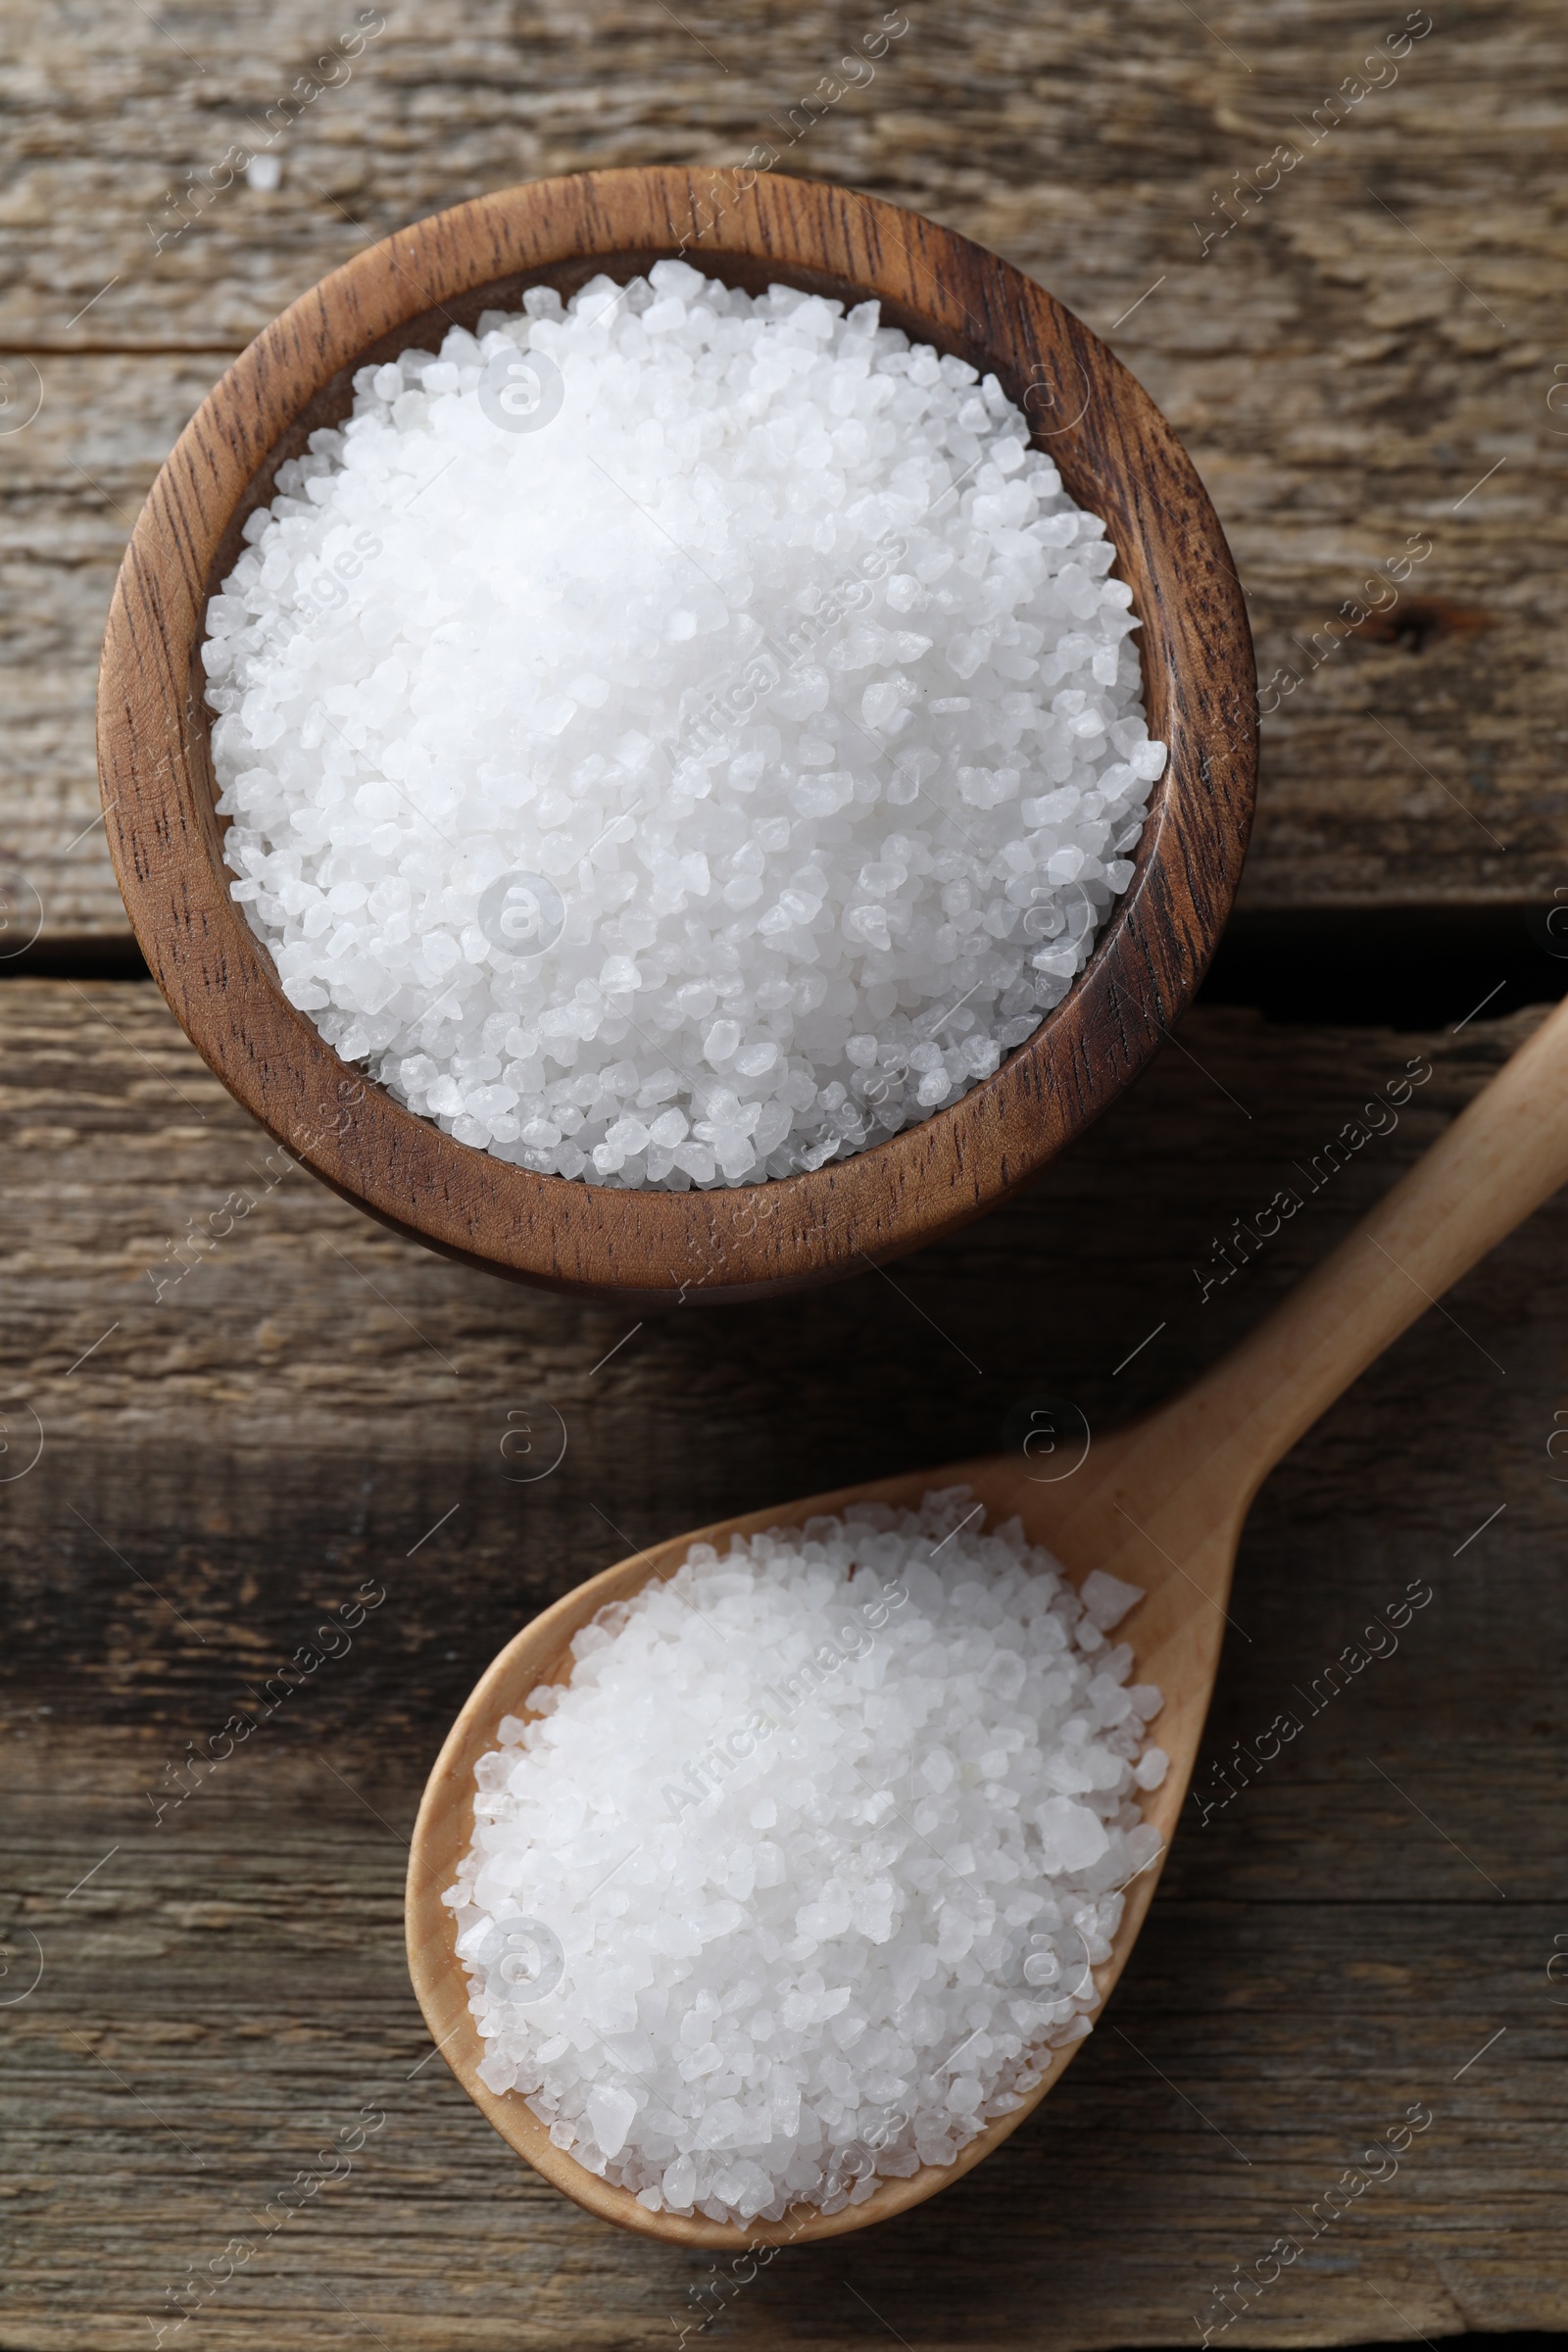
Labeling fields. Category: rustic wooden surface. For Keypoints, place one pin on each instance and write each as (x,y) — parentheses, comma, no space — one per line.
(317,1406)
(1116,455)
(223,1993)
(1376,335)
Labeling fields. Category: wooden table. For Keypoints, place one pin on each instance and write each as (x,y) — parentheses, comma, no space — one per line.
(1380,1919)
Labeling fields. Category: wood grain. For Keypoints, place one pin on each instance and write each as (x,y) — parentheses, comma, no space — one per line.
(276,1432)
(1115,455)
(1342,375)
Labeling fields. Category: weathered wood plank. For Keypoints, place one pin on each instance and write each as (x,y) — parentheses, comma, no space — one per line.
(1329,1946)
(1345,364)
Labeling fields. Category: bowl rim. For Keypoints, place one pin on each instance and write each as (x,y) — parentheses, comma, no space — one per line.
(1118,456)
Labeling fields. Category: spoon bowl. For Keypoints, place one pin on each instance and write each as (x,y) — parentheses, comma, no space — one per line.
(1117,457)
(1077,1520)
(1160,1504)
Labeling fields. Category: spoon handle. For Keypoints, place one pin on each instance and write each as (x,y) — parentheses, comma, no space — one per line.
(1504,1155)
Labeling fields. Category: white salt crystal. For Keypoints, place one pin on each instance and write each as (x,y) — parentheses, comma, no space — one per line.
(1107,1599)
(1071,1833)
(810,1863)
(589,725)
(611,2112)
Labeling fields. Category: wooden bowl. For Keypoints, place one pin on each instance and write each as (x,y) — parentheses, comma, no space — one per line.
(1116,456)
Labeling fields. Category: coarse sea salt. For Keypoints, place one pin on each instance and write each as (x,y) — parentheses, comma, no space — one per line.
(799,1880)
(678,739)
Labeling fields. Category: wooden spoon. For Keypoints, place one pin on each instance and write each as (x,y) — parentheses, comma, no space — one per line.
(1160,1503)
